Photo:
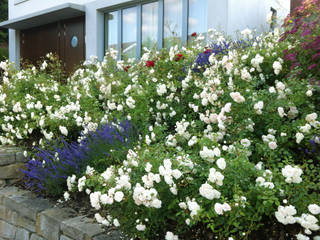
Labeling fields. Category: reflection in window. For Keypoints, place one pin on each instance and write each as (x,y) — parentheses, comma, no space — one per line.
(111,30)
(129,32)
(149,25)
(197,21)
(172,22)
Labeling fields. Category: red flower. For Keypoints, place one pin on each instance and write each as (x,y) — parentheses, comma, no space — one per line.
(126,68)
(150,63)
(194,34)
(179,56)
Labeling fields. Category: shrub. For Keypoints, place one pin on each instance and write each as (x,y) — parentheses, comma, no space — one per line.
(48,171)
(35,105)
(223,151)
(303,32)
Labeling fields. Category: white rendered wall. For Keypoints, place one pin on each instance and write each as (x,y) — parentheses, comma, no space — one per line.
(18,9)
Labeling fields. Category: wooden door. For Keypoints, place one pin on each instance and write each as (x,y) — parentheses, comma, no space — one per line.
(64,38)
(74,43)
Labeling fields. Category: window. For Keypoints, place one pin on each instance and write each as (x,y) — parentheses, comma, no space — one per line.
(150,25)
(129,32)
(153,24)
(172,22)
(197,21)
(111,29)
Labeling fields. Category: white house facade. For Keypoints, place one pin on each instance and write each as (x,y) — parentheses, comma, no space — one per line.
(92,26)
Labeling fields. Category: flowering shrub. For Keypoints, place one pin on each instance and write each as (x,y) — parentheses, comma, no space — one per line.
(303,31)
(35,105)
(48,171)
(224,151)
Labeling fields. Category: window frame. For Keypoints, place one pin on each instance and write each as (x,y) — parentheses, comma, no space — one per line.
(138,4)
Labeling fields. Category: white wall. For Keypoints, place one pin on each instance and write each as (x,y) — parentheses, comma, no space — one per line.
(17,9)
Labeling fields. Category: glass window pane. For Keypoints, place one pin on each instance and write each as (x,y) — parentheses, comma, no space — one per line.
(172,22)
(149,25)
(197,21)
(111,30)
(129,32)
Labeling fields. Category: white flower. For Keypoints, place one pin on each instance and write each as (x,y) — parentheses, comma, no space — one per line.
(258,107)
(141,227)
(218,207)
(280,86)
(277,67)
(95,200)
(285,216)
(118,196)
(292,174)
(215,177)
(116,222)
(63,130)
(306,128)
(245,142)
(171,236)
(194,207)
(272,90)
(161,89)
(302,237)
(309,93)
(281,112)
(236,96)
(272,145)
(66,196)
(314,209)
(311,117)
(221,163)
(130,102)
(207,191)
(299,137)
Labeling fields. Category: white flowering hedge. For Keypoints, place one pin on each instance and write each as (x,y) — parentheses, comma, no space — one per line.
(225,148)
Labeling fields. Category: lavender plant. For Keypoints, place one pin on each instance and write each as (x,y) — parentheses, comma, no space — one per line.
(48,171)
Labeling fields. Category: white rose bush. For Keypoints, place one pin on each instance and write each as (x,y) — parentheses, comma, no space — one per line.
(228,139)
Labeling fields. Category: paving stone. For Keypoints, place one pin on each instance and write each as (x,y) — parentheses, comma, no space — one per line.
(26,205)
(11,171)
(63,237)
(7,230)
(80,228)
(36,237)
(22,234)
(48,222)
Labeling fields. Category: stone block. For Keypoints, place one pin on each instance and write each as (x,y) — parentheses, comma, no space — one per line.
(13,218)
(20,158)
(7,157)
(10,191)
(22,234)
(112,235)
(48,222)
(80,228)
(7,230)
(11,171)
(2,183)
(36,237)
(26,205)
(63,237)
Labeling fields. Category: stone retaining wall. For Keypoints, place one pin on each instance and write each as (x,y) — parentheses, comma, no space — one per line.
(11,160)
(24,216)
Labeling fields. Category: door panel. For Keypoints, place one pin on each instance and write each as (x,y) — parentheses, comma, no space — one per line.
(74,49)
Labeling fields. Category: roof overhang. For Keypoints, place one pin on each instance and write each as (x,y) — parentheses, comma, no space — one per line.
(50,15)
